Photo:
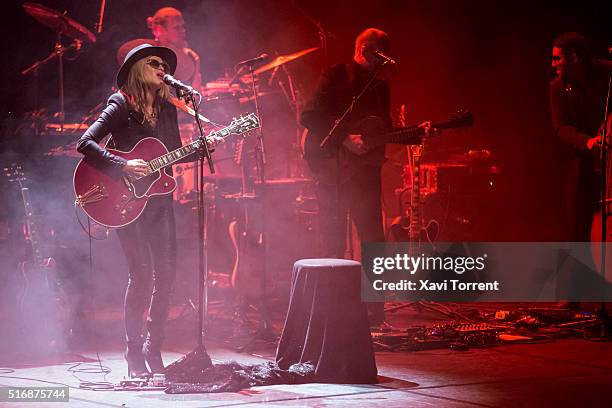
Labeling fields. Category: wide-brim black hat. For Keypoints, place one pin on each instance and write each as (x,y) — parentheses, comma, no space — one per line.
(142,51)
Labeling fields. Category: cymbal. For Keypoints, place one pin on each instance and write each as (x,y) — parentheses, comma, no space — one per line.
(59,22)
(283,59)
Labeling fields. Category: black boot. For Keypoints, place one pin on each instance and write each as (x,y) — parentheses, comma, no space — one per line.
(152,355)
(136,361)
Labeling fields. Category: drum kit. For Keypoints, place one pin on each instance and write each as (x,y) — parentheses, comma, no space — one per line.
(222,98)
(63,26)
(225,193)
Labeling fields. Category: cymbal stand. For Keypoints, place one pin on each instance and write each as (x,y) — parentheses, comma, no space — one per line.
(264,333)
(293,97)
(58,51)
(324,35)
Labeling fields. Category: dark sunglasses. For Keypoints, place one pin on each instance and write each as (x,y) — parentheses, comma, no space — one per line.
(156,64)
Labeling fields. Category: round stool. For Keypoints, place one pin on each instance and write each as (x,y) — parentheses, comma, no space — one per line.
(327,324)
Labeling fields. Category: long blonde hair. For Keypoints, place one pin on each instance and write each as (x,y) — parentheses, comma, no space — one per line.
(135,89)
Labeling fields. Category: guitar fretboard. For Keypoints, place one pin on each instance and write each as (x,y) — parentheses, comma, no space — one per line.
(173,156)
(410,134)
(31,226)
(404,135)
(415,205)
(184,151)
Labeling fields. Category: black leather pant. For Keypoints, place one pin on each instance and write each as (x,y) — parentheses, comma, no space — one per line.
(150,238)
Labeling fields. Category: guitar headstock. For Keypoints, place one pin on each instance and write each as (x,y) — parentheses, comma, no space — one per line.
(244,124)
(461,119)
(14,173)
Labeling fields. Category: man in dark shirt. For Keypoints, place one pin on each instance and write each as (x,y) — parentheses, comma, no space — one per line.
(577,98)
(360,195)
(358,198)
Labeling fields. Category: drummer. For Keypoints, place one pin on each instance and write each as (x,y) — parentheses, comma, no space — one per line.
(168,28)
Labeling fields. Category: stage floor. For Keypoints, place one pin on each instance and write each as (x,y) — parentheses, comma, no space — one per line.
(564,373)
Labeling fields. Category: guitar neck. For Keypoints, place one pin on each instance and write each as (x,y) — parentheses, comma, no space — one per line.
(403,136)
(411,134)
(415,207)
(174,156)
(31,226)
(243,125)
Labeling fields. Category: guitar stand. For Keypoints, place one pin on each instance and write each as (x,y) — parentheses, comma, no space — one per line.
(187,309)
(265,332)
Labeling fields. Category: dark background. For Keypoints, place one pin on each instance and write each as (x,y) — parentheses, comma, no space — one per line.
(491,57)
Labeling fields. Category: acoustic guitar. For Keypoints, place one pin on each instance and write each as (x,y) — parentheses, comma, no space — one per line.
(329,169)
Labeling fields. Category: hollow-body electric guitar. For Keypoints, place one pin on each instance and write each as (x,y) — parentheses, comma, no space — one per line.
(118,200)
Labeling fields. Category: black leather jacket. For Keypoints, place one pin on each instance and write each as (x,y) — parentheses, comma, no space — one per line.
(127,128)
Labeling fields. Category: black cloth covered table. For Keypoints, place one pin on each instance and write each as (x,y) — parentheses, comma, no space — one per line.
(327,324)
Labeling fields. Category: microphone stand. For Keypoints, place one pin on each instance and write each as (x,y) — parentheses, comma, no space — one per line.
(331,135)
(58,52)
(324,35)
(198,358)
(261,150)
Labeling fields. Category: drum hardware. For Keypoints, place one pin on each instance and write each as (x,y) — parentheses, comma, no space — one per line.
(293,97)
(283,59)
(324,35)
(63,26)
(66,127)
(59,22)
(68,150)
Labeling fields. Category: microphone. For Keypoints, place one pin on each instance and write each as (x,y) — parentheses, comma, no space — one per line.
(253,61)
(179,86)
(384,57)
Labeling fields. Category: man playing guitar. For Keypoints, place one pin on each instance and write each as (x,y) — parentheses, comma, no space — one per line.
(358,195)
(577,98)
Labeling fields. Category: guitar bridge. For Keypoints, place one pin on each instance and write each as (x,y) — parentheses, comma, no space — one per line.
(94,194)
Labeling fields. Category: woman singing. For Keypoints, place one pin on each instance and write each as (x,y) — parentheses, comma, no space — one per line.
(141,109)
